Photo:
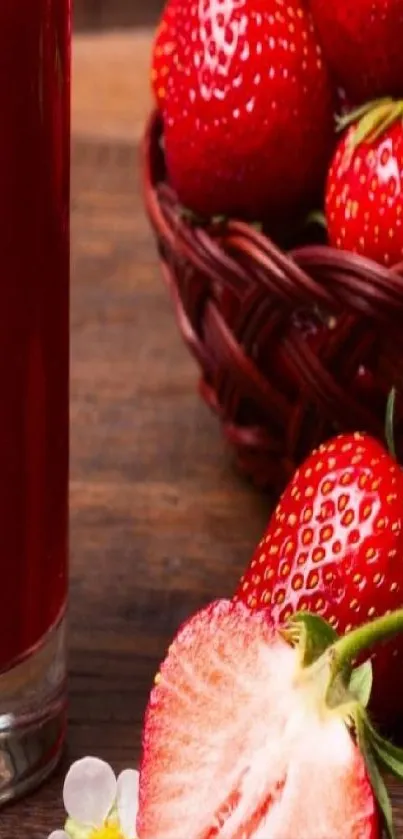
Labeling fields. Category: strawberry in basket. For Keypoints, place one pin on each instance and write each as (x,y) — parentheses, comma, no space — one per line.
(362,41)
(334,546)
(163,51)
(247,107)
(364,193)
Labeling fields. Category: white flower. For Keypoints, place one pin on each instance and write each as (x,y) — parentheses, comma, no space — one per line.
(98,805)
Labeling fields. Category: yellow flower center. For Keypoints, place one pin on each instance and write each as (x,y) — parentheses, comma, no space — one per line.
(109,831)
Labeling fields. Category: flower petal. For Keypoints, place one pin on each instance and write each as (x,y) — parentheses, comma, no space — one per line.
(127,801)
(58,834)
(89,791)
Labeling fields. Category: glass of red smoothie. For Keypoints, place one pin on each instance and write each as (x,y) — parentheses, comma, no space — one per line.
(34,359)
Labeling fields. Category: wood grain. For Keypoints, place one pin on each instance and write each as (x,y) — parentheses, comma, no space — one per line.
(160,521)
(97,15)
(111,85)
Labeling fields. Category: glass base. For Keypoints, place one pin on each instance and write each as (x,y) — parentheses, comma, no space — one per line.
(33,716)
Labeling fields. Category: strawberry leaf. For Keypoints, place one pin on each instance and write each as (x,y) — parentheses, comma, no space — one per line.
(361,683)
(317,217)
(365,744)
(389,754)
(391,757)
(356,114)
(312,634)
(389,422)
(376,121)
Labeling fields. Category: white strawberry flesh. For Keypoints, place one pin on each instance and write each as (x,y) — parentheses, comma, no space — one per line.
(236,747)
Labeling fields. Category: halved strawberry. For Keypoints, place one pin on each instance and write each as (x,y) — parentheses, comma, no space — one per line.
(239,741)
(334,546)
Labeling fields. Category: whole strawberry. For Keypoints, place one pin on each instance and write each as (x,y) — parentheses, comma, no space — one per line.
(362,41)
(334,546)
(364,192)
(248,110)
(251,733)
(163,50)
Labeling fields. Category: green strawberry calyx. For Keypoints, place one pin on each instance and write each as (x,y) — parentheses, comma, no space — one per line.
(337,686)
(371,120)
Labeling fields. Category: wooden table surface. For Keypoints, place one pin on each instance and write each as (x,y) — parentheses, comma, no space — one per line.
(160,521)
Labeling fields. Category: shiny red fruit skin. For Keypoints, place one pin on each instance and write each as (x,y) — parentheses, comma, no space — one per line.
(163,51)
(362,42)
(334,546)
(248,115)
(364,196)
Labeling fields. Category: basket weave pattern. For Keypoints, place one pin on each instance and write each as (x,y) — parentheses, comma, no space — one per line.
(293,347)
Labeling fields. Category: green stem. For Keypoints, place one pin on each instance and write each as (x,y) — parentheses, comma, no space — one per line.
(389,423)
(347,648)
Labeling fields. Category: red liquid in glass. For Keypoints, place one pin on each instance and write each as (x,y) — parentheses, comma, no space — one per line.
(34,260)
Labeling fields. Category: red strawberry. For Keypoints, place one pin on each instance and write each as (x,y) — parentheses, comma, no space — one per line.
(248,110)
(334,546)
(240,742)
(364,193)
(163,50)
(362,41)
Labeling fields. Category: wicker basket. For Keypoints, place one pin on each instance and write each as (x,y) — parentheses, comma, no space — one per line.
(293,346)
